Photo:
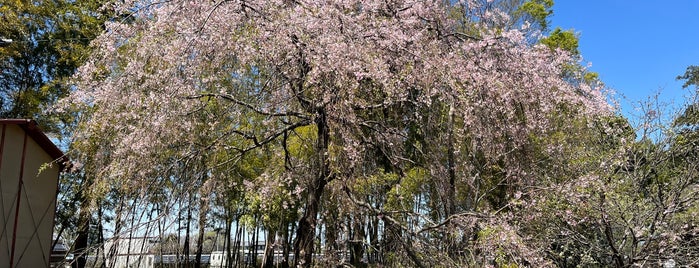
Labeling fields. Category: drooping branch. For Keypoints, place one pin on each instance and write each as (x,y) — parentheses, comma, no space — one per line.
(233,99)
(384,215)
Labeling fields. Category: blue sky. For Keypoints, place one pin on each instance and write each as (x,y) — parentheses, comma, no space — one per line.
(637,47)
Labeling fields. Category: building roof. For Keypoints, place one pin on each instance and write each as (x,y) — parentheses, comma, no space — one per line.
(32,128)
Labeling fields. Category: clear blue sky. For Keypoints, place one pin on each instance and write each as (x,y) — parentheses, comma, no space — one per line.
(637,47)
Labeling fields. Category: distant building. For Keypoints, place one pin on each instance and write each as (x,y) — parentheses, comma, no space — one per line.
(59,255)
(130,252)
(173,260)
(28,186)
(219,259)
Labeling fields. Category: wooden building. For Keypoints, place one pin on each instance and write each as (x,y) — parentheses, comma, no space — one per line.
(29,168)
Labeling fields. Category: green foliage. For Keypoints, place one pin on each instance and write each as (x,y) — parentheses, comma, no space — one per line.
(621,204)
(50,40)
(691,76)
(689,117)
(538,10)
(591,78)
(402,195)
(686,124)
(300,142)
(559,39)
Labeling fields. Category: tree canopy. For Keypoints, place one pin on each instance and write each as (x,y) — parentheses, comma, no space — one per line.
(373,81)
(405,133)
(49,41)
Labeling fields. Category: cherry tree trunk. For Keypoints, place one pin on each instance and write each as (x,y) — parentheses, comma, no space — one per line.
(305,234)
(268,257)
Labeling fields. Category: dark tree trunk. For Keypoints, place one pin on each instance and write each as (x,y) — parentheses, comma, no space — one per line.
(80,245)
(375,244)
(305,234)
(185,251)
(238,240)
(227,242)
(256,238)
(287,244)
(83,232)
(268,259)
(357,244)
(450,206)
(100,230)
(331,233)
(200,239)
